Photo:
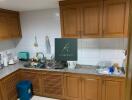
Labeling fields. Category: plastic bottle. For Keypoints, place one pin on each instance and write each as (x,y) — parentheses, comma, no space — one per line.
(5,60)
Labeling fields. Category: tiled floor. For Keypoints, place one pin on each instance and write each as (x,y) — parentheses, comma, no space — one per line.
(41,98)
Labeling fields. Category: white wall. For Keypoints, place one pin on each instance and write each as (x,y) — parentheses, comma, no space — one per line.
(42,23)
(8,46)
(46,22)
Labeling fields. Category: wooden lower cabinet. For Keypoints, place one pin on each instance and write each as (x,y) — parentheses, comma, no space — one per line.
(52,85)
(91,87)
(82,87)
(72,87)
(0,91)
(113,89)
(78,87)
(8,87)
(34,77)
(49,84)
(64,86)
(94,87)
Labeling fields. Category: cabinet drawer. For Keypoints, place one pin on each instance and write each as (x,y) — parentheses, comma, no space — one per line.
(53,77)
(53,85)
(54,91)
(52,81)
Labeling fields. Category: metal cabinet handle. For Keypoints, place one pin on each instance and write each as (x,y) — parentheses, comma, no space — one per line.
(90,79)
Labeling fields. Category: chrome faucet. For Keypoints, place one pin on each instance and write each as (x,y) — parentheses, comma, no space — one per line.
(40,57)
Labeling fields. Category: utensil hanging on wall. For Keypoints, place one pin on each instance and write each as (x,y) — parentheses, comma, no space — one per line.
(36,41)
(48,46)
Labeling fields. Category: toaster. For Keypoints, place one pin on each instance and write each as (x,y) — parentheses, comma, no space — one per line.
(23,56)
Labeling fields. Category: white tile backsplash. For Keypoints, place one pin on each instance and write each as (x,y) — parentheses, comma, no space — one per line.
(45,22)
(93,56)
(92,51)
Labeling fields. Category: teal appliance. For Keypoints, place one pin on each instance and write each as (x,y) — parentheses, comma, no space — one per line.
(23,56)
(66,50)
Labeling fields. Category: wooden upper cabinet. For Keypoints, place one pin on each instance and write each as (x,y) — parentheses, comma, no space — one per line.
(94,18)
(9,25)
(14,25)
(115,18)
(91,88)
(91,19)
(72,87)
(70,21)
(4,33)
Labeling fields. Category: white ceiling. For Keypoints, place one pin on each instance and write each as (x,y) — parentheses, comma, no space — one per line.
(28,5)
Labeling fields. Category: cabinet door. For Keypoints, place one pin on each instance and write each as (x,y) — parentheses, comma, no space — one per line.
(14,25)
(72,87)
(52,85)
(91,88)
(9,25)
(115,18)
(4,31)
(91,19)
(34,77)
(114,90)
(70,21)
(0,91)
(8,88)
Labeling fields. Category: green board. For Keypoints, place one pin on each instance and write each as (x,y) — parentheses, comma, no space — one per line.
(66,49)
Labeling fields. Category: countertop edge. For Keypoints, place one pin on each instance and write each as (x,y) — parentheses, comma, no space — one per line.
(11,69)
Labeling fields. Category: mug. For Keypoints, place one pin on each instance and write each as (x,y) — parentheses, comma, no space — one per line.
(71,64)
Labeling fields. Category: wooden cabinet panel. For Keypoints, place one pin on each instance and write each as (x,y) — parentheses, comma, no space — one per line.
(14,25)
(34,77)
(73,87)
(91,19)
(114,89)
(8,88)
(70,21)
(66,86)
(98,18)
(9,24)
(4,32)
(1,91)
(91,88)
(114,19)
(52,85)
